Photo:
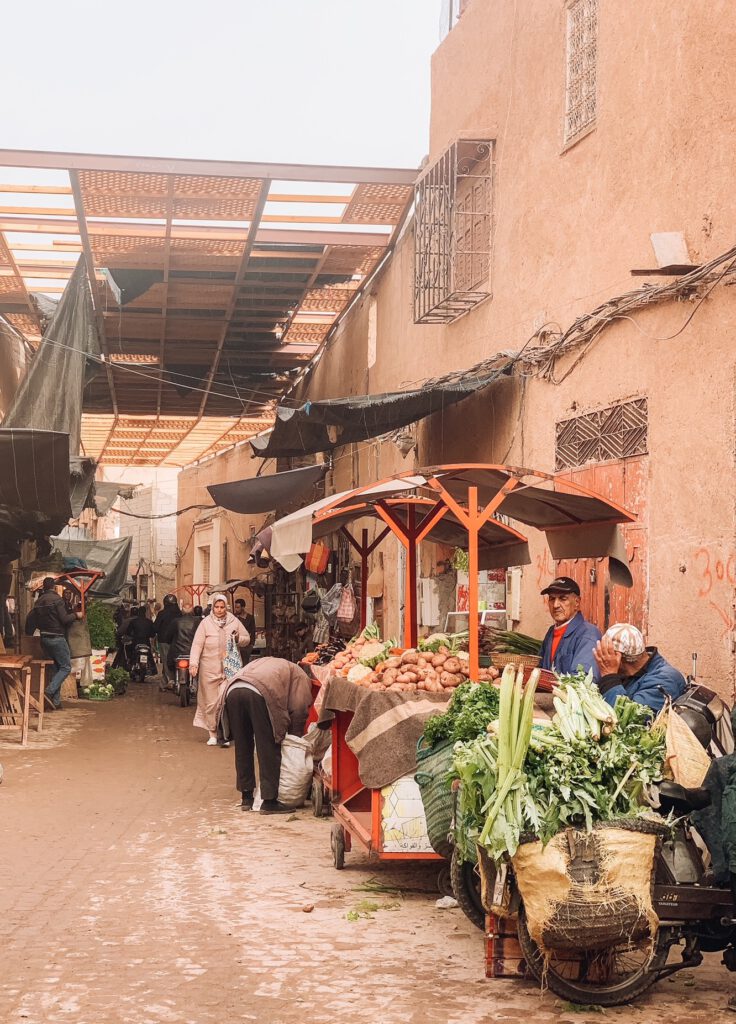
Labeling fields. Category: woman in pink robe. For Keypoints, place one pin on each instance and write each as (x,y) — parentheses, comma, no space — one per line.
(206,657)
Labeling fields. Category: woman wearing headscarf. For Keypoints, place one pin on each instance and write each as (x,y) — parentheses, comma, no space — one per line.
(216,636)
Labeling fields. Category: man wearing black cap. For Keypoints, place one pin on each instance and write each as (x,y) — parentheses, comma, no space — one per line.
(570,640)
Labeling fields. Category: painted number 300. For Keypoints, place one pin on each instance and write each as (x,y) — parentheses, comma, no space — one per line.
(714,570)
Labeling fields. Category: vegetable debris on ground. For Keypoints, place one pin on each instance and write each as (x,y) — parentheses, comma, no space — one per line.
(590,764)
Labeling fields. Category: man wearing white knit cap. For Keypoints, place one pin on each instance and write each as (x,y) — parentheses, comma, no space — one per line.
(630,669)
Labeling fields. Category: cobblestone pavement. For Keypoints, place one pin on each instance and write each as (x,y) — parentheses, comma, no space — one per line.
(136,892)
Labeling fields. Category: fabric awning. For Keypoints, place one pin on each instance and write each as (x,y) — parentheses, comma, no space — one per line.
(322,426)
(106,493)
(34,486)
(576,522)
(110,556)
(266,493)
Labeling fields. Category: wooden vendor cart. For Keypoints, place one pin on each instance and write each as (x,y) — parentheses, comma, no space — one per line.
(457,505)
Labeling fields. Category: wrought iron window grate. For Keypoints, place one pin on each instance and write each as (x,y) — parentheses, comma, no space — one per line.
(618,432)
(452,235)
(582,59)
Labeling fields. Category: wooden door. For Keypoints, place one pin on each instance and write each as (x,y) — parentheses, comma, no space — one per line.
(625,483)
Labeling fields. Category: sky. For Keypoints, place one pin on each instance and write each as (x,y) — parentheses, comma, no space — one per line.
(291,81)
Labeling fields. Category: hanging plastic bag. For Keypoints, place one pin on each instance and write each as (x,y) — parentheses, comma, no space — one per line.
(318,740)
(686,758)
(331,602)
(232,662)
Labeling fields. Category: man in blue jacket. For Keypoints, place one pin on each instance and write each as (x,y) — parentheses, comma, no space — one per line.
(570,640)
(630,669)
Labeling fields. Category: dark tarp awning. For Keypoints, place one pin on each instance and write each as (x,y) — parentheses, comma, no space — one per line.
(106,493)
(266,493)
(34,486)
(50,395)
(82,483)
(111,556)
(321,426)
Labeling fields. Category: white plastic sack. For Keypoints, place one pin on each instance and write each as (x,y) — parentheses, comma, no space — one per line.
(319,741)
(327,763)
(297,767)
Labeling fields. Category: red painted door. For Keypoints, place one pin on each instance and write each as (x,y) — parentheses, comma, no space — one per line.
(625,483)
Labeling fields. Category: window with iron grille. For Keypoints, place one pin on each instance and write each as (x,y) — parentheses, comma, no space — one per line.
(618,432)
(582,56)
(452,233)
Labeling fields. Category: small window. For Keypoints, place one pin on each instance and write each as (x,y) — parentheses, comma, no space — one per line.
(582,59)
(452,233)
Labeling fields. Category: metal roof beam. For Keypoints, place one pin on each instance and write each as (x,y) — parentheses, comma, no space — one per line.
(266,236)
(216,168)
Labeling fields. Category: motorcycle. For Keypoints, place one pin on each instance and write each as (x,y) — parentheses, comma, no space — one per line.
(184,684)
(142,663)
(695,915)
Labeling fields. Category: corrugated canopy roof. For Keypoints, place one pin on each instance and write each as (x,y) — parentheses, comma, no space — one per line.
(213,282)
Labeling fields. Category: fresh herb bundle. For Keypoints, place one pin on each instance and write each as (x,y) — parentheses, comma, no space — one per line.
(472,707)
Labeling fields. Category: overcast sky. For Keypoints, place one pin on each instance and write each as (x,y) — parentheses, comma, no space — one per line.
(304,81)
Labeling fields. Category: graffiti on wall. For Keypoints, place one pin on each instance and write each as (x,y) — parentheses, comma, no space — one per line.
(716,578)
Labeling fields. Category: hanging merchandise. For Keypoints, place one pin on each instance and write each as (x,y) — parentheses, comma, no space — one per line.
(331,602)
(311,602)
(348,607)
(317,558)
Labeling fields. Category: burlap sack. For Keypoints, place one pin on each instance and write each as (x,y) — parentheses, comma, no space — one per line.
(589,890)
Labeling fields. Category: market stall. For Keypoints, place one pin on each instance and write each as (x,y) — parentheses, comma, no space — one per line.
(456,504)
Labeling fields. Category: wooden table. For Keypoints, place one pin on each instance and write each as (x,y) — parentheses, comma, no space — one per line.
(15,678)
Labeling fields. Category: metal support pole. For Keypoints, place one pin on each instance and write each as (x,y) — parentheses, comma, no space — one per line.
(364,580)
(473,528)
(411,632)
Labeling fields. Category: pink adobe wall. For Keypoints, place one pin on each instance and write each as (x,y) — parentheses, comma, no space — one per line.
(569,227)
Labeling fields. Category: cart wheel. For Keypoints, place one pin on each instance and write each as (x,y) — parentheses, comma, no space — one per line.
(337,842)
(317,797)
(444,881)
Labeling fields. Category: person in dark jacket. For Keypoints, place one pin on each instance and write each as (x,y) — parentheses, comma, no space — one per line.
(249,622)
(569,642)
(261,704)
(165,618)
(629,669)
(51,616)
(141,631)
(179,635)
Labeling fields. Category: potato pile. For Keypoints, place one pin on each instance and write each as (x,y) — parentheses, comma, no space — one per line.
(359,649)
(422,670)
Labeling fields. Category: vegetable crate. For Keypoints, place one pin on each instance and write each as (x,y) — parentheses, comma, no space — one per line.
(504,958)
(387,823)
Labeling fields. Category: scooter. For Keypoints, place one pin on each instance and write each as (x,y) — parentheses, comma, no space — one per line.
(184,685)
(694,914)
(142,663)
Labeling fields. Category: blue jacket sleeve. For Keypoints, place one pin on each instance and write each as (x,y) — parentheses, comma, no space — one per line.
(648,689)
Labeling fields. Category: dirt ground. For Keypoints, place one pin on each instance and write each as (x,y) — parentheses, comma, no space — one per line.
(135,891)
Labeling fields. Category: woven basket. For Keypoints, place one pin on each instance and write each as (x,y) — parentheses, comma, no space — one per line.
(523,660)
(433,766)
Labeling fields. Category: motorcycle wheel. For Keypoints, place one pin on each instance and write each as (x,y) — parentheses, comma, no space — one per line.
(183,694)
(609,978)
(465,882)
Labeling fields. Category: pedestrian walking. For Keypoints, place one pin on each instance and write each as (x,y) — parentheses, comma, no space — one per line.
(212,660)
(262,703)
(51,616)
(249,622)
